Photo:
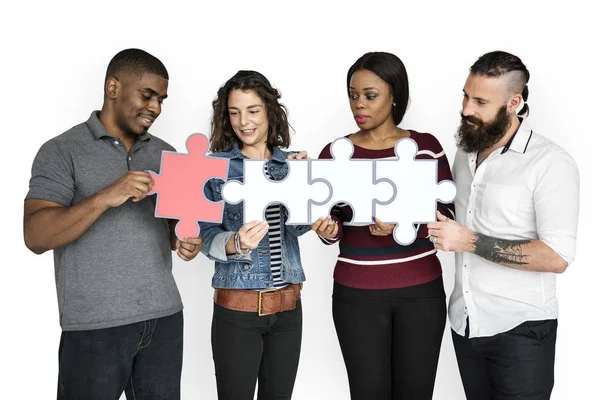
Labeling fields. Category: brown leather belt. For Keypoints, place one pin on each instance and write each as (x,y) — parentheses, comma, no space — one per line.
(265,302)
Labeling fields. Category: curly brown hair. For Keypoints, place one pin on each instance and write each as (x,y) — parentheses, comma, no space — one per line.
(222,135)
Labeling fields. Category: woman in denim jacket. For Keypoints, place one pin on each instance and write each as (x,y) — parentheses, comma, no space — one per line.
(257,318)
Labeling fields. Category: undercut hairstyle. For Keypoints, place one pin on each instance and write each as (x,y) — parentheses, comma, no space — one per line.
(508,66)
(390,69)
(136,62)
(223,137)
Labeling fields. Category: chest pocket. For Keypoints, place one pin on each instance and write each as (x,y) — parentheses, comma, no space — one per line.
(276,171)
(501,205)
(234,211)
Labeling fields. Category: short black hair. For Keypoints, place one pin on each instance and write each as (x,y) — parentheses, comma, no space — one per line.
(137,62)
(390,69)
(499,63)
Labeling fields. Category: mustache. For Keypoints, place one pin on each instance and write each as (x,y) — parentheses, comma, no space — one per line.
(471,119)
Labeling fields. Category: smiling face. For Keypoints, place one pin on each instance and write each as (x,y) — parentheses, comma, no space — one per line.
(137,102)
(370,100)
(248,117)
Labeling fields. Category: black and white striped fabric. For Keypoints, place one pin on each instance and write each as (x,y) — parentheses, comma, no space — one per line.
(273,215)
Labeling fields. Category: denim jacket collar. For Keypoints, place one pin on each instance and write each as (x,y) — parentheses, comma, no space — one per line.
(236,153)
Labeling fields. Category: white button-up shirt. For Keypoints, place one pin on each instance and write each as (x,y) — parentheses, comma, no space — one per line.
(528,189)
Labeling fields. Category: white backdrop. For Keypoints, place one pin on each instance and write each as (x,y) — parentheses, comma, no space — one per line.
(54,56)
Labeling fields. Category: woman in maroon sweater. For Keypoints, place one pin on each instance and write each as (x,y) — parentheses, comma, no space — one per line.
(389,304)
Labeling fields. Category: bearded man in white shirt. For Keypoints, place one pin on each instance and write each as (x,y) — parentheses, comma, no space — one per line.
(516,221)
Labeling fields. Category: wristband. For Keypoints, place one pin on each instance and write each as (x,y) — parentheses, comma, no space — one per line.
(238,248)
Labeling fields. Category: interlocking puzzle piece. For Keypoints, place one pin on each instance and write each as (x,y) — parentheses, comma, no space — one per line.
(351,181)
(258,192)
(180,186)
(416,191)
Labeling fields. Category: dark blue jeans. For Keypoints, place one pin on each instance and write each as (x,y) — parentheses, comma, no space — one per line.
(143,359)
(246,347)
(516,365)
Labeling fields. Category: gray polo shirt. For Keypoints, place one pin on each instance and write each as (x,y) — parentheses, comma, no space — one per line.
(120,270)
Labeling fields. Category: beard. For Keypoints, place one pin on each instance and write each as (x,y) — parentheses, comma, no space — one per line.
(481,135)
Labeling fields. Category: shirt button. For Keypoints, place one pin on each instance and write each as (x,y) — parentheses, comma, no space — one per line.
(116,142)
(129,158)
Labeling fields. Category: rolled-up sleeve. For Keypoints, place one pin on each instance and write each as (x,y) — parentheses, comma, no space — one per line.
(556,201)
(214,236)
(216,251)
(52,176)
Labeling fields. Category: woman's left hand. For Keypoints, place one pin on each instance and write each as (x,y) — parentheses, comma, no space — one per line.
(381,229)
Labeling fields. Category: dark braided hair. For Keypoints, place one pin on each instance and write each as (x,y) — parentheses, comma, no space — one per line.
(499,63)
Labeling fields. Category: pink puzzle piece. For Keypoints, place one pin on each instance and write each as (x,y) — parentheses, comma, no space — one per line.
(180,186)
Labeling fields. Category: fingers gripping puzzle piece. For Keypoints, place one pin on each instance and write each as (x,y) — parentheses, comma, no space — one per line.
(180,186)
(416,191)
(351,181)
(294,191)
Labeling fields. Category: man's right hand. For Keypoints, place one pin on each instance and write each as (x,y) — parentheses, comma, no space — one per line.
(133,184)
(48,225)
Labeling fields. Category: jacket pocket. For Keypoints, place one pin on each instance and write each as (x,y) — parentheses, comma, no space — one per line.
(234,212)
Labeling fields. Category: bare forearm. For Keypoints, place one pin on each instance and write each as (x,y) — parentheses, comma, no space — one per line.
(528,255)
(230,246)
(52,227)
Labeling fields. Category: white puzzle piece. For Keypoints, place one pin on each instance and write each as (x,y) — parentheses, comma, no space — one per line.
(351,181)
(416,191)
(258,192)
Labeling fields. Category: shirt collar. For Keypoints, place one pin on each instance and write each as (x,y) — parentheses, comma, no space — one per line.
(520,139)
(99,131)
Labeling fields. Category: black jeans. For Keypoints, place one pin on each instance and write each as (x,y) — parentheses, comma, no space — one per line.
(246,346)
(390,339)
(143,359)
(518,364)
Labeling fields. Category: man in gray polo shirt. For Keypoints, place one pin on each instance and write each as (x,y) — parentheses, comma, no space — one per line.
(120,309)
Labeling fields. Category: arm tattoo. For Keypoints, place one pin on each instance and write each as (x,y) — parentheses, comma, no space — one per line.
(501,251)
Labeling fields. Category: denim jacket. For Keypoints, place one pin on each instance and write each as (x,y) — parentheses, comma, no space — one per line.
(252,271)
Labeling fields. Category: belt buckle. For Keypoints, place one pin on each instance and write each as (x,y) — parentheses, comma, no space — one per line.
(260,298)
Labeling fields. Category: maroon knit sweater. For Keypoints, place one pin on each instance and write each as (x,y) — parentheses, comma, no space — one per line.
(378,262)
